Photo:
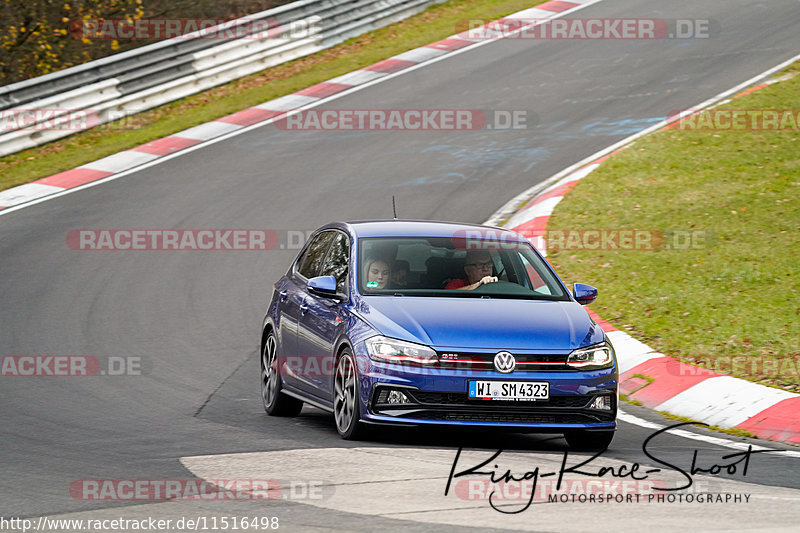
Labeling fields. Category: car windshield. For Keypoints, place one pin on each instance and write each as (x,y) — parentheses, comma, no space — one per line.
(452,267)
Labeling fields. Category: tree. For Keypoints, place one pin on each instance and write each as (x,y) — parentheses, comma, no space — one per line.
(42,36)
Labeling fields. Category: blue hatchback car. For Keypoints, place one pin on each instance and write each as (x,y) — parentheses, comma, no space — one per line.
(432,323)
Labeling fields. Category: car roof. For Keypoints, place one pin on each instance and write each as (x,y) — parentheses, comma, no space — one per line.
(421,228)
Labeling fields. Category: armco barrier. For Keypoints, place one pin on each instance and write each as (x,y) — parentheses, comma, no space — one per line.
(131,82)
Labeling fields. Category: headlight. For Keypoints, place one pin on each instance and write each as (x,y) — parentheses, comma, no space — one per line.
(593,357)
(388,350)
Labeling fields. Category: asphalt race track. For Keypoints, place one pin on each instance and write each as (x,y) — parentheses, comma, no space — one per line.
(193,317)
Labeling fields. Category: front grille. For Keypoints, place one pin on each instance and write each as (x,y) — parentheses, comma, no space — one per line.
(485,361)
(519,418)
(454,398)
(382,396)
(438,398)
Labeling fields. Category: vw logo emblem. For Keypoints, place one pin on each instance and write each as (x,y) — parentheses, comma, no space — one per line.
(504,362)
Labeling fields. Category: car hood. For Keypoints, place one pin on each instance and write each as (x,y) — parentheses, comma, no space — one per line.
(480,323)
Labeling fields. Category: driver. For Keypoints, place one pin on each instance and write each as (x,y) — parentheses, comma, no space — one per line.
(478,269)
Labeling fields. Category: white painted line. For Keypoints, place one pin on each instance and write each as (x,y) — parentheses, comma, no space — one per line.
(542,209)
(26,193)
(357,77)
(575,176)
(207,131)
(724,401)
(532,13)
(512,205)
(625,343)
(628,362)
(641,422)
(630,352)
(290,101)
(418,55)
(785,77)
(121,161)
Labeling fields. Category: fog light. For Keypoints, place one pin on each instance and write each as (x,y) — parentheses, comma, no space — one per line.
(396,396)
(601,402)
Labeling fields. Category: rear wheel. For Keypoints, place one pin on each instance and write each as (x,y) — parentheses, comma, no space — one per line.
(275,403)
(589,440)
(346,408)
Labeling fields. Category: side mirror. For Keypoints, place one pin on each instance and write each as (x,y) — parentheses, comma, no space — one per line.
(585,294)
(322,285)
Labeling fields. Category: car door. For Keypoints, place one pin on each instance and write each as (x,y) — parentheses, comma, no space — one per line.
(319,326)
(294,304)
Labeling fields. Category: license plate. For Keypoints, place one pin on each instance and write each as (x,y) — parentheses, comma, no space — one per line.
(509,390)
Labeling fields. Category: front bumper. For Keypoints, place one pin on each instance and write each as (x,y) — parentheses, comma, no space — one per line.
(439,397)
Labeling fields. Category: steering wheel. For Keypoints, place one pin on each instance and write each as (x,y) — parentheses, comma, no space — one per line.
(499,286)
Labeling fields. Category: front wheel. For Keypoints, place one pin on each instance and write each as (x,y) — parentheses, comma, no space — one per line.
(346,408)
(585,440)
(275,403)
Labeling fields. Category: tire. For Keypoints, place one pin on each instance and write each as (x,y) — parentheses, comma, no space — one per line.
(275,402)
(589,440)
(346,410)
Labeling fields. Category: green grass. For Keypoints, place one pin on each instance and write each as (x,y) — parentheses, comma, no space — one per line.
(734,295)
(434,24)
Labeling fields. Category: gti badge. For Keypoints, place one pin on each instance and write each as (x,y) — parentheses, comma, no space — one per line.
(504,362)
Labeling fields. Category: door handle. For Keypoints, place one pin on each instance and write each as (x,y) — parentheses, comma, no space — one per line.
(303,308)
(284,294)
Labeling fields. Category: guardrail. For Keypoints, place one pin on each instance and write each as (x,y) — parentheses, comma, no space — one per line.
(137,80)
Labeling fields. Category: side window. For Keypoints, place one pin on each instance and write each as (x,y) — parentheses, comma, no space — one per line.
(536,281)
(310,263)
(337,261)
